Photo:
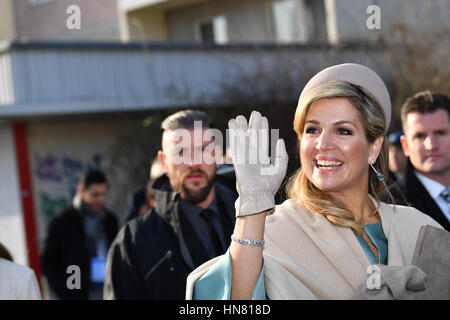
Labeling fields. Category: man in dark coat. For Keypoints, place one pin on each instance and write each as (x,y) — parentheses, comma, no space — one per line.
(142,199)
(80,236)
(410,191)
(191,222)
(426,142)
(397,159)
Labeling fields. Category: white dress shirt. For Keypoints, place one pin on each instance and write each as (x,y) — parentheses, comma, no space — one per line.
(17,282)
(434,188)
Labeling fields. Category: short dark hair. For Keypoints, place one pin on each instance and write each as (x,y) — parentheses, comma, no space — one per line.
(4,253)
(425,102)
(185,119)
(91,177)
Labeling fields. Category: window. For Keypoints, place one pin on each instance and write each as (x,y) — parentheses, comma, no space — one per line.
(207,32)
(38,2)
(290,21)
(213,30)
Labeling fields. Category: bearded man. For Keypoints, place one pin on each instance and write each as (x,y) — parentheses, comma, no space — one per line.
(191,222)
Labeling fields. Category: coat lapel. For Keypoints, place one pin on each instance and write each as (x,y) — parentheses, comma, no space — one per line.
(316,251)
(421,199)
(395,252)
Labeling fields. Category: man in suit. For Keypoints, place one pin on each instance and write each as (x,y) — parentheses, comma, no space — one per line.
(426,142)
(191,221)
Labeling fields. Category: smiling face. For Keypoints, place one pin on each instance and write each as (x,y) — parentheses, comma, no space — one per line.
(334,150)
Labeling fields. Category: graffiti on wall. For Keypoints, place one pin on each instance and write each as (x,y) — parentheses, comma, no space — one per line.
(57,179)
(51,205)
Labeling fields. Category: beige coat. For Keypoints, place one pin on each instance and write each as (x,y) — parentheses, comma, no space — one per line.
(307,257)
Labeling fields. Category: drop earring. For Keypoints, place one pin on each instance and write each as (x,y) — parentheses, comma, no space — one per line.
(380,176)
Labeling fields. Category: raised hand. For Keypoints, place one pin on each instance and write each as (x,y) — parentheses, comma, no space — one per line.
(257,179)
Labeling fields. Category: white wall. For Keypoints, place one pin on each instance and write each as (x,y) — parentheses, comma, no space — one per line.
(12,230)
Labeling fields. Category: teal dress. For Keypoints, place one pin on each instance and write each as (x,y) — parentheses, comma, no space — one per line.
(216,283)
(375,233)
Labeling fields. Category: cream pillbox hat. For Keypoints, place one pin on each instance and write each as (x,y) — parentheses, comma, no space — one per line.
(358,75)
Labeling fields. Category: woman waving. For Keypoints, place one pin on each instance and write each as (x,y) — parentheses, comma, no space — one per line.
(319,243)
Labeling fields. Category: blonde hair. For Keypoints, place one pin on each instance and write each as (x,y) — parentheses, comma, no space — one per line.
(373,119)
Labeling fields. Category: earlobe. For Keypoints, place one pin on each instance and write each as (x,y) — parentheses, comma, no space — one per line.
(375,149)
(404,144)
(162,162)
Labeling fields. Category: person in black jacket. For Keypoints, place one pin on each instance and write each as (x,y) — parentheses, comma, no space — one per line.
(426,143)
(80,236)
(142,199)
(191,222)
(397,159)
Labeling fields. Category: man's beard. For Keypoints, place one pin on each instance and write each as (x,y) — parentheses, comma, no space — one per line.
(195,196)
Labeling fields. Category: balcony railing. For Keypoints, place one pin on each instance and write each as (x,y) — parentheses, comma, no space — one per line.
(69,78)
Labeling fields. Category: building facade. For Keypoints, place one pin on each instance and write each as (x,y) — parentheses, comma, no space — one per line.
(44,20)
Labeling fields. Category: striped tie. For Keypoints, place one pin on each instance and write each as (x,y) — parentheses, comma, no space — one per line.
(446,195)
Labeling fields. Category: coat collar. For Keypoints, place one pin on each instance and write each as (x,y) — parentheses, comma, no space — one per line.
(327,258)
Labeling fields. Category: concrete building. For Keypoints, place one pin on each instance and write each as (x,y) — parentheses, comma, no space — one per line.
(233,21)
(43,20)
(279,21)
(7,20)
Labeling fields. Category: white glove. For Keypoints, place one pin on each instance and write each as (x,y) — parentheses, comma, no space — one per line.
(257,180)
